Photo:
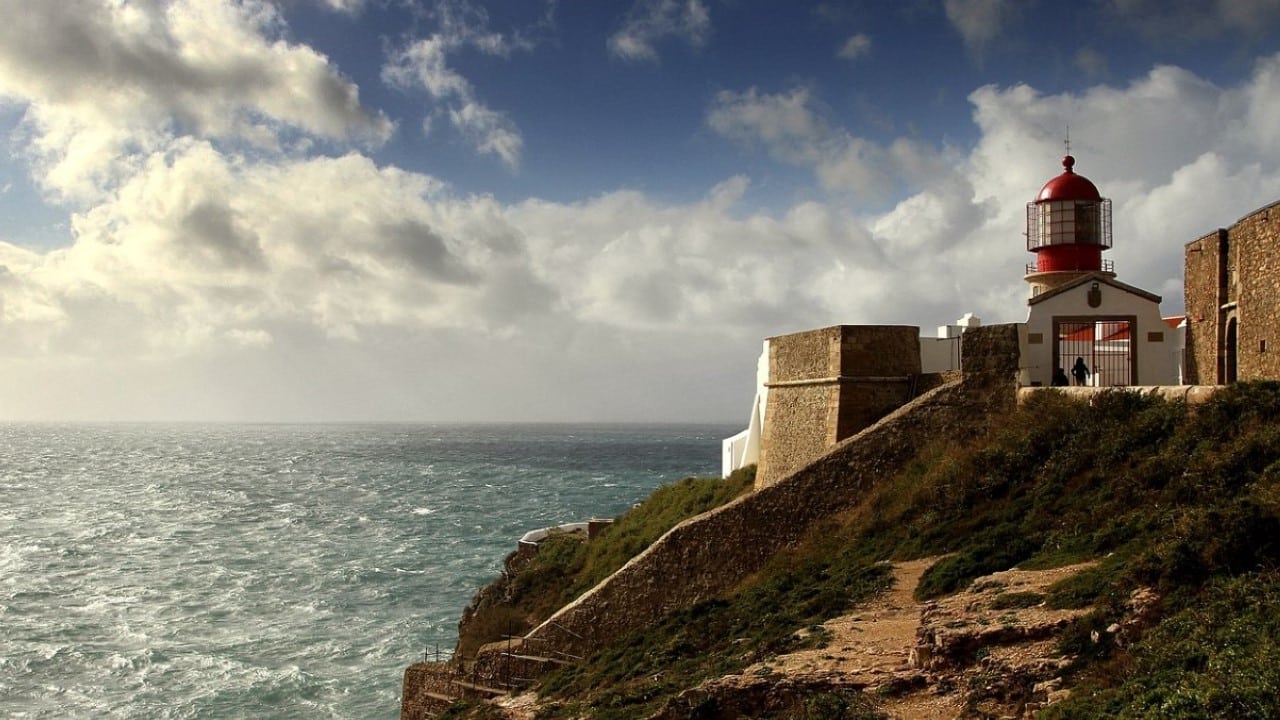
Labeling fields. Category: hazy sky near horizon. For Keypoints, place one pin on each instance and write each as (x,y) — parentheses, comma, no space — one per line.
(571,210)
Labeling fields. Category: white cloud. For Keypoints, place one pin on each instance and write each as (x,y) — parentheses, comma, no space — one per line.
(424,64)
(491,132)
(347,6)
(855,47)
(792,127)
(208,279)
(1178,154)
(105,84)
(979,22)
(786,123)
(1091,62)
(651,21)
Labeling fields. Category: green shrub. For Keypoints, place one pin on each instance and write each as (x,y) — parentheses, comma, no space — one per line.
(1016,600)
(723,635)
(1084,588)
(639,527)
(1000,549)
(837,706)
(565,565)
(1219,658)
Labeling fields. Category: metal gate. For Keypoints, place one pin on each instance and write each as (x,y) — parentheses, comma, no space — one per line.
(1097,352)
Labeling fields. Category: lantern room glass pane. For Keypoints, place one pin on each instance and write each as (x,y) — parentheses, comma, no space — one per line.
(1088,223)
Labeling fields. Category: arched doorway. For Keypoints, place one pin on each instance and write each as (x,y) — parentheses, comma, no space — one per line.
(1229,352)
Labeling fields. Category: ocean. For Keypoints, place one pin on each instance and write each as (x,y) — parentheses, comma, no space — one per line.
(278,571)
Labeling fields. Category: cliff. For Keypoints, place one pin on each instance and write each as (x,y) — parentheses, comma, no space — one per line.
(1143,497)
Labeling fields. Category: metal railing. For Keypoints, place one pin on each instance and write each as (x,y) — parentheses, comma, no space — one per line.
(1108,266)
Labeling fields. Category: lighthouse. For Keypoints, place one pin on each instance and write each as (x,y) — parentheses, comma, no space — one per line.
(1068,227)
(1083,326)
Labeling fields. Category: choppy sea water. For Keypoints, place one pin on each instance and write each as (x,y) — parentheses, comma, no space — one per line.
(277,571)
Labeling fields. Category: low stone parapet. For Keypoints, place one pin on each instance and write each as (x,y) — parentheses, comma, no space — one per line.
(1190,394)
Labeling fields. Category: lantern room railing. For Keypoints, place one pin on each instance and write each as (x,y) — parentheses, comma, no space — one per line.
(1108,266)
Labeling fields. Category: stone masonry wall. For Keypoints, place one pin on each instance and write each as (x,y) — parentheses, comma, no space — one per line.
(863,403)
(827,384)
(1255,242)
(799,426)
(809,355)
(879,350)
(1205,293)
(713,552)
(1235,273)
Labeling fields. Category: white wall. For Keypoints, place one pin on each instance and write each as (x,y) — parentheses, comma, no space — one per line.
(744,448)
(939,354)
(1156,360)
(942,353)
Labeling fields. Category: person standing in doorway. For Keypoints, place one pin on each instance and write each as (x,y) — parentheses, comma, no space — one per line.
(1080,372)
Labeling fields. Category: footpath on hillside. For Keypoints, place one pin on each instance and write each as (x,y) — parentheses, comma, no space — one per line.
(978,650)
(988,651)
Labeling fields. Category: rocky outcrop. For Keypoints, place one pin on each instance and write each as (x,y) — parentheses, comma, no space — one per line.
(1005,608)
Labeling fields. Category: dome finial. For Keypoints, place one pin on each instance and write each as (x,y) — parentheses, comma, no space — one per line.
(1067,161)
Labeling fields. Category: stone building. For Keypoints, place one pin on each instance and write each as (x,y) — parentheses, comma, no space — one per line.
(832,382)
(1232,286)
(825,385)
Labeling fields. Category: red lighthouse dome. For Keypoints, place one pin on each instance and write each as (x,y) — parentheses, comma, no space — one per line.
(1069,185)
(1068,227)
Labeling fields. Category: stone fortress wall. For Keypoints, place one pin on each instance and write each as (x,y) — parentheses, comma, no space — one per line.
(825,385)
(1232,286)
(713,552)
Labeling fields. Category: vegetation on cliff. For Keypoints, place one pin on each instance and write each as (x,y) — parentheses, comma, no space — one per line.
(1182,500)
(565,566)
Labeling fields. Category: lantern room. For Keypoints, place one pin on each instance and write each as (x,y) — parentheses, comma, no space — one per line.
(1068,227)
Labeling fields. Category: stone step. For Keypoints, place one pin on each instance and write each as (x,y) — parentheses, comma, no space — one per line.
(479,688)
(540,659)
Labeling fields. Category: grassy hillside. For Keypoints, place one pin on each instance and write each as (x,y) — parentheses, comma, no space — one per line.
(566,566)
(1185,501)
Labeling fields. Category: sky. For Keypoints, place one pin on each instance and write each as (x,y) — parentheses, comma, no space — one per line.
(571,210)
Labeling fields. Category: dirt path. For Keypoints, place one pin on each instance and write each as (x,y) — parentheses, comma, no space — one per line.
(872,647)
(875,640)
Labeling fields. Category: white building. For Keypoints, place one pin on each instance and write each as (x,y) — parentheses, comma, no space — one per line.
(1083,326)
